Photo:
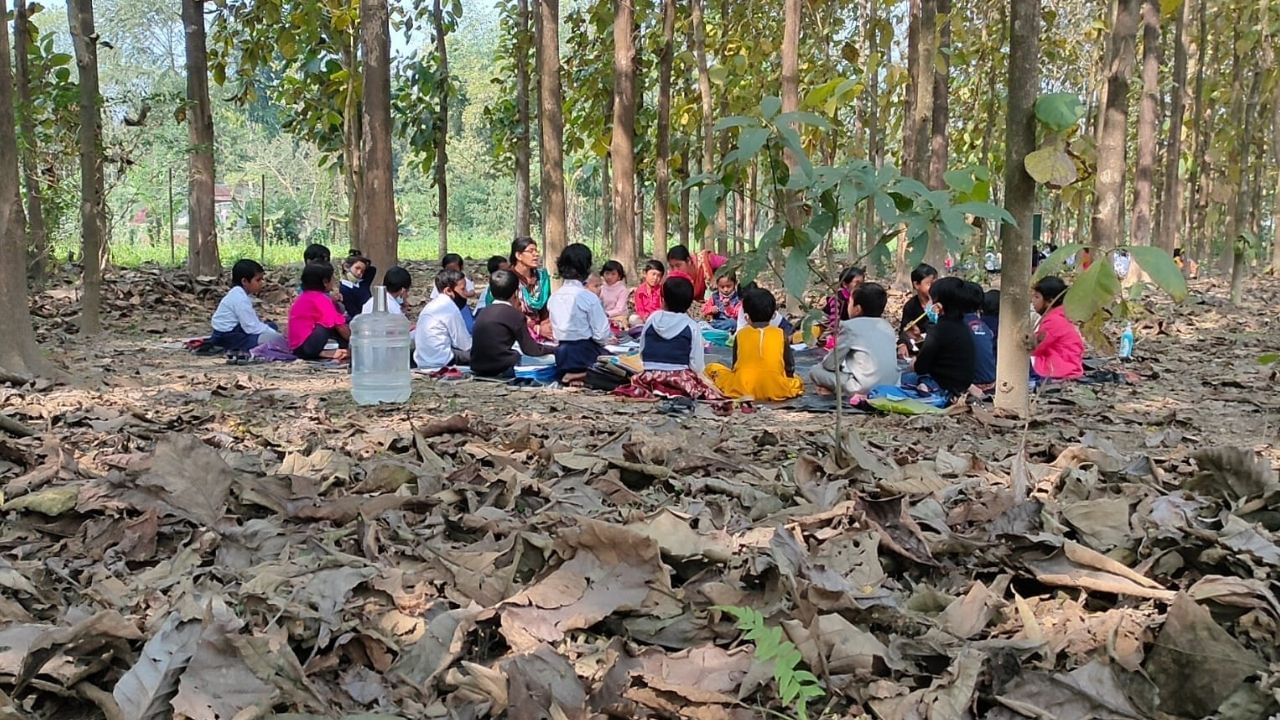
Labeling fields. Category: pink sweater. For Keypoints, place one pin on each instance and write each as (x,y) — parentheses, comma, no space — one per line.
(648,300)
(1060,352)
(615,298)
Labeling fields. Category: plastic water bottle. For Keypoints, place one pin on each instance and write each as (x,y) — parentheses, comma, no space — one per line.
(1126,343)
(380,354)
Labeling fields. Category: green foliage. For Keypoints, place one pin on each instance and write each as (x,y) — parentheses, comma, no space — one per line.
(796,687)
(1159,266)
(1052,166)
(1269,358)
(1060,111)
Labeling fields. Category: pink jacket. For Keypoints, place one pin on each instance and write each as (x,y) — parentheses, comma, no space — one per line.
(648,300)
(1060,352)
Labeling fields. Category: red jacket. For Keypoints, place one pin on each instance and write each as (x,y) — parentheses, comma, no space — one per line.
(1059,354)
(648,300)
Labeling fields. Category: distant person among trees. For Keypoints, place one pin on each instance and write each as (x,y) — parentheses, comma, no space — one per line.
(535,284)
(917,315)
(236,327)
(984,341)
(1058,352)
(314,320)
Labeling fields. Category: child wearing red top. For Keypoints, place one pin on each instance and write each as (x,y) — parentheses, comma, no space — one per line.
(648,298)
(314,320)
(1059,349)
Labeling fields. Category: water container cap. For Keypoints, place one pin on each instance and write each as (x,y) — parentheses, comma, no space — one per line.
(380,298)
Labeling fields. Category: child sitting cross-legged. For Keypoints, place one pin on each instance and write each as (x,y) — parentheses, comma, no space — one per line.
(865,352)
(725,305)
(314,320)
(578,322)
(764,367)
(500,328)
(946,360)
(236,327)
(671,349)
(440,338)
(984,342)
(1059,349)
(615,294)
(649,293)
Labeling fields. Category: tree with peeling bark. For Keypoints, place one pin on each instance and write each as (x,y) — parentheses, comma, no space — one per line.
(379,235)
(202,233)
(92,200)
(1012,392)
(19,354)
(1108,215)
(622,147)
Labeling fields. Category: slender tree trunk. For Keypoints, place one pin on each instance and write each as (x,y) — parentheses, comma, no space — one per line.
(938,147)
(909,118)
(1020,197)
(202,232)
(872,117)
(1195,216)
(722,210)
(378,227)
(1240,218)
(92,201)
(37,235)
(554,231)
(606,200)
(753,180)
(18,353)
(442,131)
(662,189)
(1108,215)
(523,155)
(1148,119)
(622,148)
(1275,198)
(353,165)
(704,90)
(683,225)
(1170,218)
(923,106)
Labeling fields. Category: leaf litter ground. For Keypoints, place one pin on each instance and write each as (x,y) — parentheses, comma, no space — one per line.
(185,538)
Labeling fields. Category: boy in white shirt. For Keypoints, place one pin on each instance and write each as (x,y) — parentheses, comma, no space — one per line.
(441,338)
(397,281)
(236,326)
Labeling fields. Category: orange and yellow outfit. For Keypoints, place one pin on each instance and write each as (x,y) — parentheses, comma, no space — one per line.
(763,368)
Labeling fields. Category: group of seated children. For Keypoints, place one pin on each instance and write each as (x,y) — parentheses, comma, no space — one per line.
(945,343)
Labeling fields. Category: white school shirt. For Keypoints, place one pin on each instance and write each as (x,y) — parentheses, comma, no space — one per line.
(577,314)
(440,329)
(393,306)
(743,320)
(236,308)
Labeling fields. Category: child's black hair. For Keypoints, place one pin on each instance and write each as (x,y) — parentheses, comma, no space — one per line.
(397,279)
(678,252)
(922,271)
(446,279)
(495,264)
(614,266)
(759,305)
(575,262)
(315,253)
(1052,289)
(353,259)
(245,269)
(450,259)
(872,298)
(730,275)
(972,297)
(677,295)
(949,292)
(850,274)
(518,246)
(503,284)
(991,303)
(315,275)
(655,265)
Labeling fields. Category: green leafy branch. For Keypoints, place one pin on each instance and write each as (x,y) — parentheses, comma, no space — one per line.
(796,687)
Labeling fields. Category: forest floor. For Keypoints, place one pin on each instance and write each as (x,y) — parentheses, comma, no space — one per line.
(237,541)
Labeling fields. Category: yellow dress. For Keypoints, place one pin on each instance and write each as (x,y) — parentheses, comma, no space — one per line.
(760,370)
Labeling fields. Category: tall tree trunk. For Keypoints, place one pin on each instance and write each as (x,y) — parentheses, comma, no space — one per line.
(606,200)
(378,227)
(202,232)
(352,138)
(523,155)
(924,84)
(622,148)
(18,353)
(1148,120)
(753,183)
(1195,224)
(554,231)
(1020,198)
(442,131)
(683,225)
(704,90)
(871,118)
(722,209)
(662,189)
(37,234)
(909,118)
(1169,222)
(938,148)
(1240,218)
(92,202)
(1275,198)
(1109,202)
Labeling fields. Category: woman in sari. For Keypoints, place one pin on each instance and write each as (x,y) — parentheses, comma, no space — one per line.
(535,285)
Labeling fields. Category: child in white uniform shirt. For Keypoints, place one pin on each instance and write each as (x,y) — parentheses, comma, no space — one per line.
(441,338)
(236,327)
(578,320)
(397,281)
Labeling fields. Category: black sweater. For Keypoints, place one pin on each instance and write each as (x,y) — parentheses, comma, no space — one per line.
(910,311)
(948,355)
(499,327)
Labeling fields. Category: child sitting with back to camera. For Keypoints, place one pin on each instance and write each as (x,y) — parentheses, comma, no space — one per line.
(236,327)
(984,342)
(578,322)
(724,306)
(649,293)
(672,350)
(764,366)
(500,328)
(1058,351)
(864,353)
(778,320)
(614,294)
(441,338)
(946,359)
(314,320)
(356,285)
